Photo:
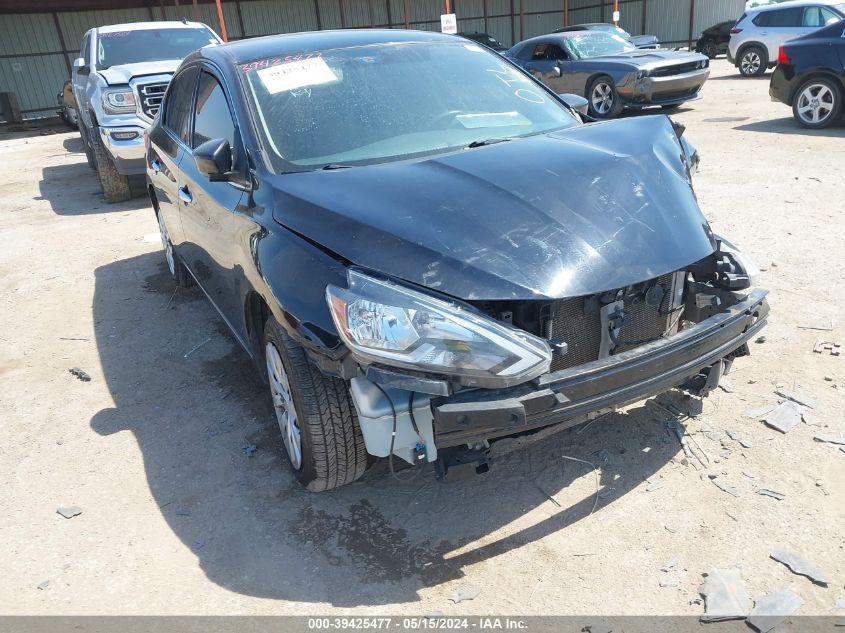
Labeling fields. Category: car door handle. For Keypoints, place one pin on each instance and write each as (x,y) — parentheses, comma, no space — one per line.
(156,165)
(185,195)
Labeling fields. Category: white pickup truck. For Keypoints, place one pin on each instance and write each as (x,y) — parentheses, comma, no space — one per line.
(119,81)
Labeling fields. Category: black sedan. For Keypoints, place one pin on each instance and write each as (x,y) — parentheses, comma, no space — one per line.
(424,249)
(810,76)
(640,41)
(611,73)
(714,41)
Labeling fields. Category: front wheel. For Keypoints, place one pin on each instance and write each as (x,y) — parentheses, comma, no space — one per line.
(115,185)
(316,416)
(753,62)
(710,49)
(604,101)
(817,103)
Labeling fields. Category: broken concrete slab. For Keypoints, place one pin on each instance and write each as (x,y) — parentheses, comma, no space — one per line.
(759,412)
(785,417)
(771,493)
(725,596)
(800,566)
(69,512)
(830,438)
(796,397)
(773,608)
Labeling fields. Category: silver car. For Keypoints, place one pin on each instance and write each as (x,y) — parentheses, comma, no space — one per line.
(759,33)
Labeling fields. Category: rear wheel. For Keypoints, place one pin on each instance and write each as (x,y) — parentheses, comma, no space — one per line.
(604,101)
(115,185)
(817,103)
(315,413)
(710,49)
(753,61)
(181,277)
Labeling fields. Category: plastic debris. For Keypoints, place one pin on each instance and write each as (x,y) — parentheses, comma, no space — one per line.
(785,417)
(465,592)
(830,439)
(800,566)
(773,608)
(69,512)
(799,398)
(725,596)
(771,493)
(83,376)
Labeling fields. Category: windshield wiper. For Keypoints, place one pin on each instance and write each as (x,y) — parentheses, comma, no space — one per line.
(332,166)
(489,141)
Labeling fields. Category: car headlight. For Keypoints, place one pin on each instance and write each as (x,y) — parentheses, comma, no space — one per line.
(119,100)
(746,264)
(387,323)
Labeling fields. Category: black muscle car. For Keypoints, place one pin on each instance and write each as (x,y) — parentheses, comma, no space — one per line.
(610,72)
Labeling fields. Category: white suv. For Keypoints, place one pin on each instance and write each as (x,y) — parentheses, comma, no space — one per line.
(758,34)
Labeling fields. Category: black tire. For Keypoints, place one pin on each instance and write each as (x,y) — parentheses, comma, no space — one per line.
(332,446)
(115,185)
(753,61)
(827,93)
(180,275)
(613,107)
(709,48)
(86,145)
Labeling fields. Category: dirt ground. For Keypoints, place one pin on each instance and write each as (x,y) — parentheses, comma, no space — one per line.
(179,516)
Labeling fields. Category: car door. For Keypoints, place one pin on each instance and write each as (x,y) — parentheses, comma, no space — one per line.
(79,77)
(209,209)
(545,64)
(169,145)
(779,26)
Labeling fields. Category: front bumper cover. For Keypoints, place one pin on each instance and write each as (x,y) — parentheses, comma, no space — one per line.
(672,90)
(127,153)
(574,395)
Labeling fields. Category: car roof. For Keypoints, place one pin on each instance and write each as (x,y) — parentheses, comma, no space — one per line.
(313,41)
(142,26)
(791,3)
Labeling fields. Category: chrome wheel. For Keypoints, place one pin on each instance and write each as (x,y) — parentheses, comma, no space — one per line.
(602,98)
(815,104)
(751,63)
(168,247)
(283,404)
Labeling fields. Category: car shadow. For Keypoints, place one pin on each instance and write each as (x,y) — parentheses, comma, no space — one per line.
(789,125)
(214,464)
(736,76)
(73,189)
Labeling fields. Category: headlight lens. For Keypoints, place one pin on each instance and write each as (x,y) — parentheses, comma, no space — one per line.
(119,100)
(387,323)
(748,265)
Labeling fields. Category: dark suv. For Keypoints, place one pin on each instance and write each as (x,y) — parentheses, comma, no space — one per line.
(424,249)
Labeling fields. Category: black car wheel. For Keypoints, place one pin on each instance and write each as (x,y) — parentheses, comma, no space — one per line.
(115,185)
(181,277)
(315,413)
(710,49)
(817,103)
(604,102)
(753,61)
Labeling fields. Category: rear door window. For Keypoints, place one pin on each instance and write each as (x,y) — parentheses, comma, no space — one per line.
(781,18)
(177,103)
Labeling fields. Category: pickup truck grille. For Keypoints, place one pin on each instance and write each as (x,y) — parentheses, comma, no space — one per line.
(677,69)
(151,96)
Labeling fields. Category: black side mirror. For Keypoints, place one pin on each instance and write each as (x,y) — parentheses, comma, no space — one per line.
(214,159)
(576,102)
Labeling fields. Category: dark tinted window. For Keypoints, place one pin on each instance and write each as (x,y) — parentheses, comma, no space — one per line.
(782,18)
(177,103)
(212,119)
(116,48)
(547,51)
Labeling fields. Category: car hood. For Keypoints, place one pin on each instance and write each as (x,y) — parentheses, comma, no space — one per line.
(593,208)
(119,75)
(652,58)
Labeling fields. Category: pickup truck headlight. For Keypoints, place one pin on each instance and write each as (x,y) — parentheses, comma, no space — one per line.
(119,100)
(387,323)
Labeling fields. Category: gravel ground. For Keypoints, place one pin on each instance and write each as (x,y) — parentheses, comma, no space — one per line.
(177,517)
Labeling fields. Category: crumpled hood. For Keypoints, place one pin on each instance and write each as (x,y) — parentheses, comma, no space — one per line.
(643,40)
(652,57)
(593,208)
(120,75)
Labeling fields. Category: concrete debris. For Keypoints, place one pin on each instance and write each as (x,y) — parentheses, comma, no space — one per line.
(821,347)
(800,566)
(771,493)
(772,609)
(725,487)
(785,417)
(830,439)
(725,596)
(69,512)
(726,385)
(465,592)
(83,376)
(759,412)
(669,581)
(42,586)
(797,397)
(655,485)
(737,438)
(809,419)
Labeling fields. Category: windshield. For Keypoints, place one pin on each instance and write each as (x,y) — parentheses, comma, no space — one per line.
(372,104)
(116,48)
(597,44)
(614,30)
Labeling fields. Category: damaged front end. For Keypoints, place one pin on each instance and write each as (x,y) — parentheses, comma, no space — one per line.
(523,365)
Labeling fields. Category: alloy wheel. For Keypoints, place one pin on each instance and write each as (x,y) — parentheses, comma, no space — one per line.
(816,103)
(602,98)
(168,246)
(283,405)
(751,63)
